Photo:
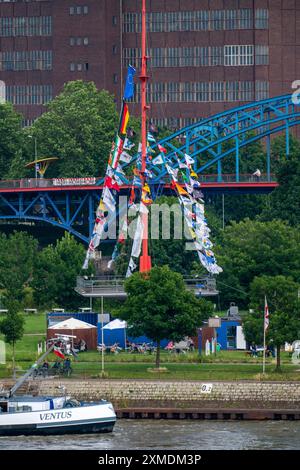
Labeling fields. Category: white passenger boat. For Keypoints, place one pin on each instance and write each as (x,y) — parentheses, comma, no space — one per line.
(25,415)
(29,415)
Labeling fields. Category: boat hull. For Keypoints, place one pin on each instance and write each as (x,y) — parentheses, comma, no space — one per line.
(81,420)
(33,430)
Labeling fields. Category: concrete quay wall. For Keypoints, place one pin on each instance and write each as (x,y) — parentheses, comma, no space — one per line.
(172,394)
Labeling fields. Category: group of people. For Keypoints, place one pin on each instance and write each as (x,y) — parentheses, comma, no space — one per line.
(270,350)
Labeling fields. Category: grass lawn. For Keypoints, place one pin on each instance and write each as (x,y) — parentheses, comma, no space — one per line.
(175,371)
(226,365)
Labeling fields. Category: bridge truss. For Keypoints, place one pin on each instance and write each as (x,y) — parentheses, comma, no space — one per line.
(209,141)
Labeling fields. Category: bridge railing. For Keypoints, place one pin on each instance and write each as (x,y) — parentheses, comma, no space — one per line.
(35,183)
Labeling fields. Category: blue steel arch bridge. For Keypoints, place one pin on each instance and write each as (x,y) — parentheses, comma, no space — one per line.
(70,203)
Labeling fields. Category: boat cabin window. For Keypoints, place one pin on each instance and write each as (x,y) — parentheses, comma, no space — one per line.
(3,406)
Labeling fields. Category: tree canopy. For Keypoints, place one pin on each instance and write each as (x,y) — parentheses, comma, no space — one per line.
(11,141)
(250,248)
(57,267)
(159,306)
(12,326)
(284,311)
(284,201)
(18,253)
(78,128)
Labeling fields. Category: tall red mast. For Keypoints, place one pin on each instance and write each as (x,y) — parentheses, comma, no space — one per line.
(145,259)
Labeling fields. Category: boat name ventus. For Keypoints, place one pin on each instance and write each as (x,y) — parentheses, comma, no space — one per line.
(44,415)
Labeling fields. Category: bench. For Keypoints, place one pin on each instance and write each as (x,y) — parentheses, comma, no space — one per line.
(58,310)
(3,310)
(30,310)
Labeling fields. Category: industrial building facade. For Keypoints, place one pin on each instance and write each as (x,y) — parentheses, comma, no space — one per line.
(204,55)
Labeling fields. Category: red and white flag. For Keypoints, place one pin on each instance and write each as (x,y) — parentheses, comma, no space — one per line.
(266,316)
(58,352)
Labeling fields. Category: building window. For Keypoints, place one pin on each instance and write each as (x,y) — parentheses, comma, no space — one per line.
(115,21)
(238,55)
(79,66)
(261,90)
(78,41)
(114,49)
(115,78)
(200,20)
(231,55)
(79,10)
(26,60)
(25,26)
(201,92)
(261,19)
(261,55)
(29,94)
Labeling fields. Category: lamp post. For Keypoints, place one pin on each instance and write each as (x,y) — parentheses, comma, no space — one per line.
(102,338)
(35,157)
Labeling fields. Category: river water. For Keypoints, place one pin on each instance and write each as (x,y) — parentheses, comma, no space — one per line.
(169,434)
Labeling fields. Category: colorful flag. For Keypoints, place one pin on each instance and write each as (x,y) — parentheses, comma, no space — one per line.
(131,267)
(150,137)
(124,118)
(128,145)
(108,199)
(162,149)
(115,152)
(129,86)
(58,352)
(158,160)
(266,316)
(181,190)
(111,184)
(138,236)
(125,157)
(189,160)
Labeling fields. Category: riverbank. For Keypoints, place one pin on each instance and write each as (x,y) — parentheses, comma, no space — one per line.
(181,399)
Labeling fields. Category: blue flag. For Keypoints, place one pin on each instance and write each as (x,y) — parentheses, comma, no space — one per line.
(129,86)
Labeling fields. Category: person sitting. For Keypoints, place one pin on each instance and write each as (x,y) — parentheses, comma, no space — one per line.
(253,350)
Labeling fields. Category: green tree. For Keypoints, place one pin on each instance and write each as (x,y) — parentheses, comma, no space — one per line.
(78,129)
(284,311)
(55,273)
(159,306)
(18,253)
(249,248)
(284,201)
(11,141)
(249,206)
(12,327)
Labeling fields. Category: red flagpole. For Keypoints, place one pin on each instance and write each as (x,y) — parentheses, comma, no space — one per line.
(145,259)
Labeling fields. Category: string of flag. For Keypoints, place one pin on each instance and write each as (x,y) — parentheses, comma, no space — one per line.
(114,173)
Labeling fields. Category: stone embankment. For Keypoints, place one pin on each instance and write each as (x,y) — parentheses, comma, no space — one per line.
(151,398)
